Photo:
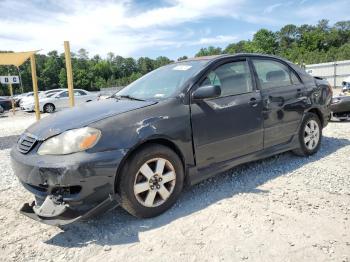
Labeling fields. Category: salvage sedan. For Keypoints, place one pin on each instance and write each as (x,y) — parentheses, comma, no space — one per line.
(177,125)
(340,107)
(5,103)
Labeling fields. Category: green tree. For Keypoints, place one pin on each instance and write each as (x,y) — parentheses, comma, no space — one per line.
(265,41)
(208,51)
(181,58)
(63,78)
(51,70)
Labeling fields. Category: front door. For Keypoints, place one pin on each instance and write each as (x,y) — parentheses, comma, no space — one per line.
(231,125)
(283,97)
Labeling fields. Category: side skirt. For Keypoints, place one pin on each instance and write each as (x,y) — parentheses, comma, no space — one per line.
(196,175)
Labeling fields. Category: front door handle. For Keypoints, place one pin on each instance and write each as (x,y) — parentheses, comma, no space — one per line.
(253,102)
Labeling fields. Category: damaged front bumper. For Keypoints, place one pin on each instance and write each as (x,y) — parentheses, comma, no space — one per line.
(67,188)
(59,214)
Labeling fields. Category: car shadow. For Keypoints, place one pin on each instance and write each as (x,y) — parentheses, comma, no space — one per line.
(7,142)
(118,227)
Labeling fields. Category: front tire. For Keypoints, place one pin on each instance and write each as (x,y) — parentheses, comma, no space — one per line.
(310,135)
(151,181)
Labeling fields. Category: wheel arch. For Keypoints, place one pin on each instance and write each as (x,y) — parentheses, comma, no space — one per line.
(319,114)
(155,140)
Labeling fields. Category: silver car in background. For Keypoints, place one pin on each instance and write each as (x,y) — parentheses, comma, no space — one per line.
(52,101)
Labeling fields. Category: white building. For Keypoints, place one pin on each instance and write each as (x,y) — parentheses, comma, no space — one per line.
(334,72)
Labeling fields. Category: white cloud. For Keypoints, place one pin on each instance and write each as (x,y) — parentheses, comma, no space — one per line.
(270,8)
(220,39)
(125,27)
(185,11)
(103,27)
(334,10)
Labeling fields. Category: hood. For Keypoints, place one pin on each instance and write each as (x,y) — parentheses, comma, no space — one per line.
(83,115)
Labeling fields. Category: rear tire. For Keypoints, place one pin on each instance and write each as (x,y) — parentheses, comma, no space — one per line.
(309,136)
(49,108)
(150,181)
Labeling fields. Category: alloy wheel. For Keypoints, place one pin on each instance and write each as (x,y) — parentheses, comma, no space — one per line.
(154,182)
(49,108)
(311,134)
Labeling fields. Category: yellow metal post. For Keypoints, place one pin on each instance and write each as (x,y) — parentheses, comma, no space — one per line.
(12,102)
(35,86)
(69,73)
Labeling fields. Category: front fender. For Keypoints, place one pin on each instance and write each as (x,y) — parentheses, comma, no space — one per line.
(169,120)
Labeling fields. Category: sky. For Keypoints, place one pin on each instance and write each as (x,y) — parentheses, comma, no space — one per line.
(136,28)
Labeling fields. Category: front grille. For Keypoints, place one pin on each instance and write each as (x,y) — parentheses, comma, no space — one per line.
(25,143)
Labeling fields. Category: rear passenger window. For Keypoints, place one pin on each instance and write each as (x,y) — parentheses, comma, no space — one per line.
(273,74)
(233,78)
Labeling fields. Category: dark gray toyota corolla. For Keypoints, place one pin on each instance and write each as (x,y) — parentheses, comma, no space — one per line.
(177,125)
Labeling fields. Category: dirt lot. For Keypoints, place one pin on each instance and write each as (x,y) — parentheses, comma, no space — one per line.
(284,208)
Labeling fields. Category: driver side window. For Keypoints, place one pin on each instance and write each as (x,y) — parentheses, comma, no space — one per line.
(234,78)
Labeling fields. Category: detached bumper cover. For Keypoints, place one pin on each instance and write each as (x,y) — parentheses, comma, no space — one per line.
(67,188)
(66,215)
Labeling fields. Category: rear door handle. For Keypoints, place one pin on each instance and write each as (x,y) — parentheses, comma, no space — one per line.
(253,102)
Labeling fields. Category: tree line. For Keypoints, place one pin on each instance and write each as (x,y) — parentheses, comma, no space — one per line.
(305,44)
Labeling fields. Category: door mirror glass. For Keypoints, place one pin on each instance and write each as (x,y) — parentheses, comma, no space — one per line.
(209,91)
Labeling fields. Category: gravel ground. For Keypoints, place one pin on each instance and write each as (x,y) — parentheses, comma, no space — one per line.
(284,208)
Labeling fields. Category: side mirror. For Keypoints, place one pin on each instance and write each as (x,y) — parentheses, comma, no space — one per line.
(204,92)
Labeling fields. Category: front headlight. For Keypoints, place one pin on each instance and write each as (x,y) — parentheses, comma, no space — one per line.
(71,141)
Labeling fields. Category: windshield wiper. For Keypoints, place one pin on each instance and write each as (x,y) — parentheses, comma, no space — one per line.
(128,97)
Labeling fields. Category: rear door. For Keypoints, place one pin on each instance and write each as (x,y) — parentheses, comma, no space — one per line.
(231,125)
(283,97)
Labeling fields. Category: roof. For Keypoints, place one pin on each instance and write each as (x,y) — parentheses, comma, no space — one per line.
(214,57)
(15,59)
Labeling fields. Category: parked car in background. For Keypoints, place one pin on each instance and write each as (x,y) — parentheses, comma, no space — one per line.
(340,107)
(181,123)
(50,102)
(5,103)
(18,98)
(346,85)
(27,103)
(1,110)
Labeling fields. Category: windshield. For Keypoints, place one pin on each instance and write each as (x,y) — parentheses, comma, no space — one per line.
(163,82)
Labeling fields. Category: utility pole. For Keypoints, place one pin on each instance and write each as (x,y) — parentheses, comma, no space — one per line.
(20,79)
(11,92)
(12,101)
(35,86)
(69,73)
